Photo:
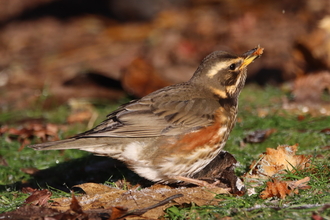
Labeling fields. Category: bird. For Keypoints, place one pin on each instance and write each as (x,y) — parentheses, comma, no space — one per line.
(173,133)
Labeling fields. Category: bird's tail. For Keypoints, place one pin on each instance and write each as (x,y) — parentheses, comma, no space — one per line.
(57,145)
(100,146)
(75,143)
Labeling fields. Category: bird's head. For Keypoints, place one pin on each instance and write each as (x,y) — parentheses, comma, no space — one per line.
(223,73)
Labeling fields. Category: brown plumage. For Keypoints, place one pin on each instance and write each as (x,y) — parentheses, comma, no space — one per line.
(173,133)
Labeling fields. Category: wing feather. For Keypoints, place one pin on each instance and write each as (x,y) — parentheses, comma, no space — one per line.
(146,118)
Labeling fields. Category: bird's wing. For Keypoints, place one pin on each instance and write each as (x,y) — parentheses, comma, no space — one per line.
(146,118)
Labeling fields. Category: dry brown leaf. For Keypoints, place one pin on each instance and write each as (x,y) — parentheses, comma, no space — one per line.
(272,163)
(275,189)
(30,212)
(326,148)
(258,136)
(326,131)
(39,197)
(299,184)
(45,132)
(95,188)
(117,212)
(276,161)
(74,205)
(101,196)
(28,190)
(75,211)
(316,216)
(281,189)
(3,161)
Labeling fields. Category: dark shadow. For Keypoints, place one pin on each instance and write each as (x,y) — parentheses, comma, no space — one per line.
(87,169)
(94,78)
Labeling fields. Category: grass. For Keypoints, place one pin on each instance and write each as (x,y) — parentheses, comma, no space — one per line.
(260,108)
(297,206)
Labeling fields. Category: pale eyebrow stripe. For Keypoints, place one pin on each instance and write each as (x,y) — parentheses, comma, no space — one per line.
(220,65)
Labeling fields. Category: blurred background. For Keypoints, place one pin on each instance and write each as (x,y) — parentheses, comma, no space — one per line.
(107,49)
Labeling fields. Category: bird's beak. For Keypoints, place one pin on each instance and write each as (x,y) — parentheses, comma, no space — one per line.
(251,55)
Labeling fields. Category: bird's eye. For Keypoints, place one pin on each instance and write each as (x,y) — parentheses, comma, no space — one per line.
(232,67)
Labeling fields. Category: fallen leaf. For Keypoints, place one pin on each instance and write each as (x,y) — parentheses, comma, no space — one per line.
(325,131)
(258,136)
(74,205)
(76,211)
(30,212)
(281,189)
(95,188)
(117,212)
(28,190)
(101,196)
(326,148)
(3,161)
(299,184)
(39,197)
(45,132)
(317,217)
(276,161)
(275,189)
(301,117)
(139,212)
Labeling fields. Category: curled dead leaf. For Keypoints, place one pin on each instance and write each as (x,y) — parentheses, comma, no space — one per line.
(117,212)
(74,205)
(275,189)
(39,197)
(276,161)
(281,189)
(299,184)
